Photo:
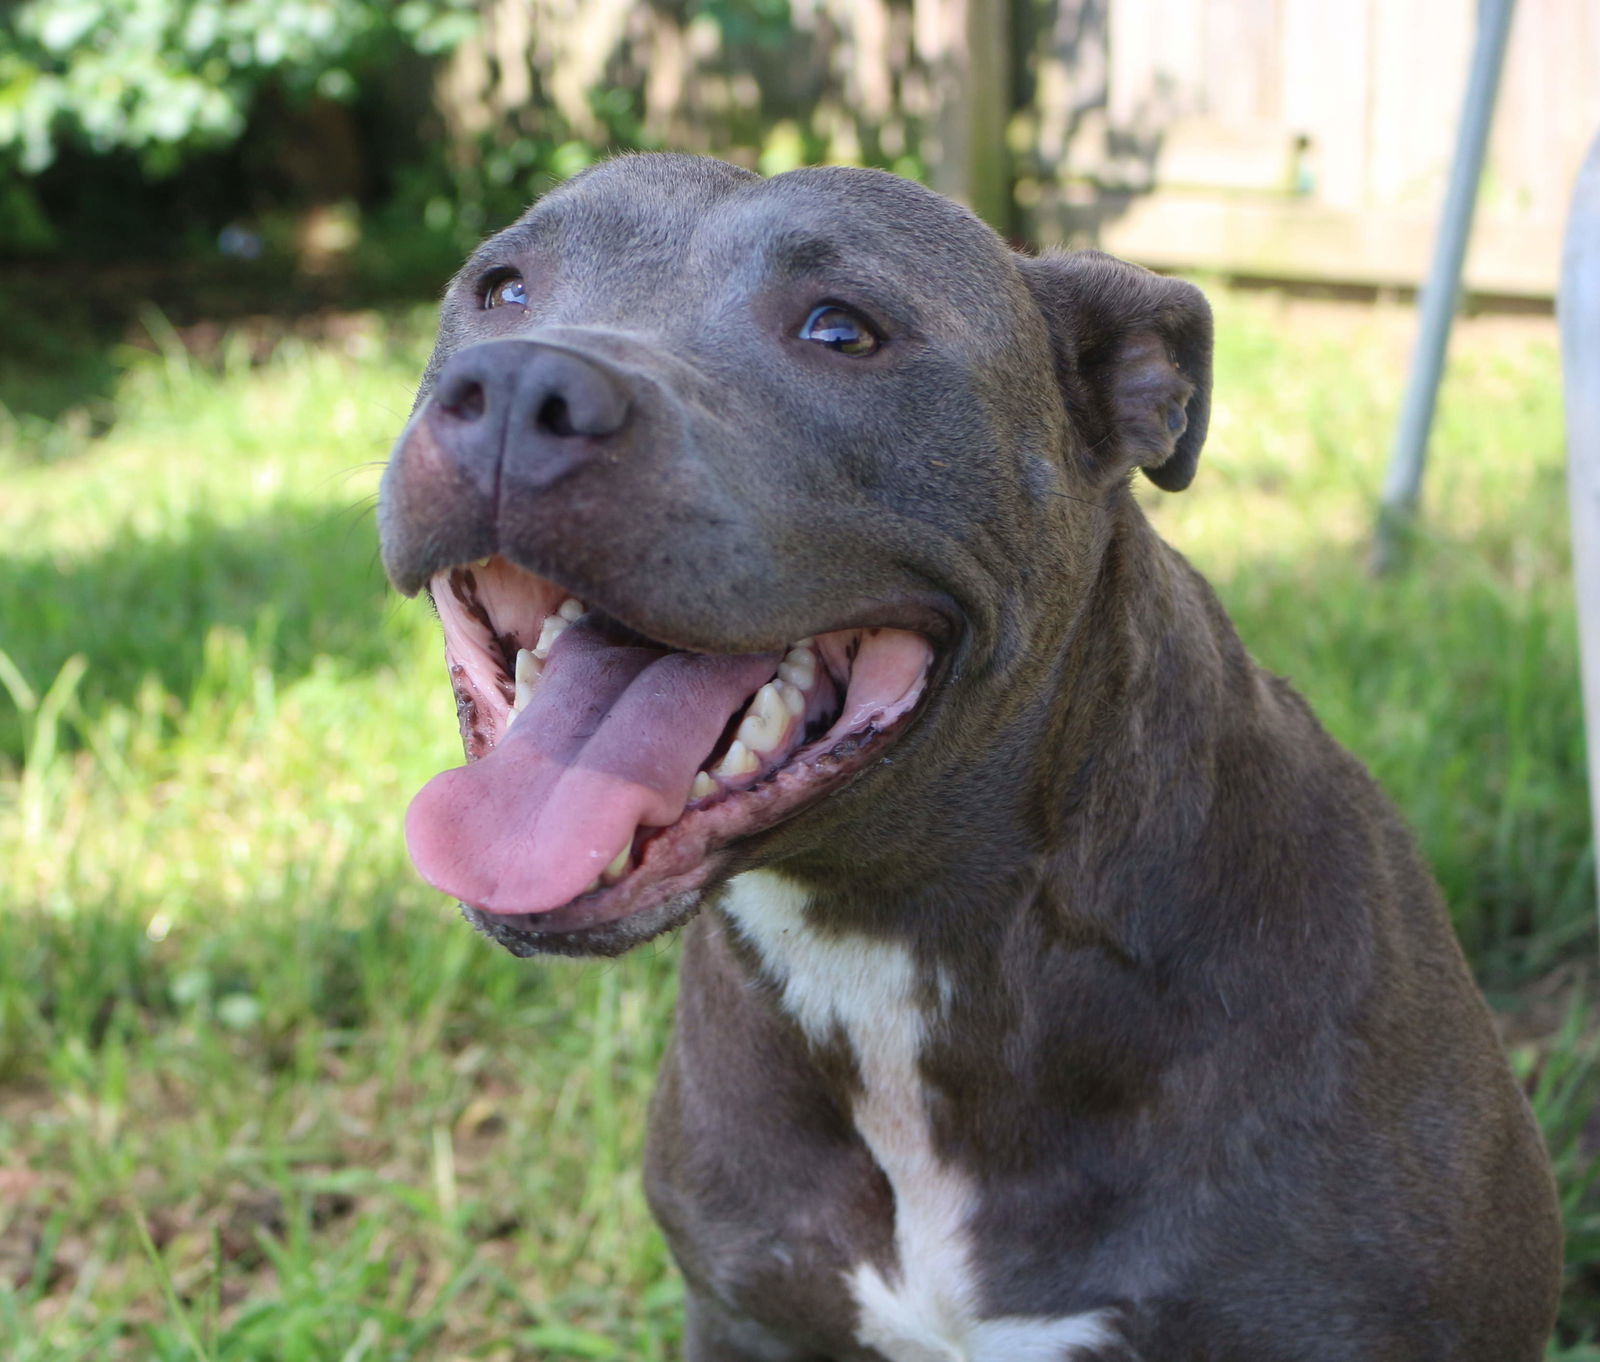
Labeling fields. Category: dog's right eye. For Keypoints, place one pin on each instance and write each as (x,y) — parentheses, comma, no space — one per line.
(840,329)
(505,289)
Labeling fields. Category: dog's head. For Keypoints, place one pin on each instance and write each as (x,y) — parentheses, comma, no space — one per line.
(742,500)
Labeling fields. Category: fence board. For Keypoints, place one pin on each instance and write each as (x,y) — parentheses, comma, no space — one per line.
(1285,137)
(1313,140)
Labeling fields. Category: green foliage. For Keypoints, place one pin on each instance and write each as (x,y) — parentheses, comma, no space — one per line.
(162,77)
(165,81)
(766,22)
(445,207)
(1565,1093)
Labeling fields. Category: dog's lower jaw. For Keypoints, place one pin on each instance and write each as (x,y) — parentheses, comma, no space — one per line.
(520,935)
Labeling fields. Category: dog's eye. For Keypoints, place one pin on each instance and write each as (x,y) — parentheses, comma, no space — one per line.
(841,330)
(505,290)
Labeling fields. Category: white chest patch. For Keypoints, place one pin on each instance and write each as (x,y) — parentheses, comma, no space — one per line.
(927,1310)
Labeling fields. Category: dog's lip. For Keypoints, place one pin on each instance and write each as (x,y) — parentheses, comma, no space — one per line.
(928,612)
(694,862)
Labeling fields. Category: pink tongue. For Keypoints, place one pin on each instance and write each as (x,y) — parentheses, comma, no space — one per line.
(612,739)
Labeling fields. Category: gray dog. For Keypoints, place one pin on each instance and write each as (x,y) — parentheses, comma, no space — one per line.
(1056,988)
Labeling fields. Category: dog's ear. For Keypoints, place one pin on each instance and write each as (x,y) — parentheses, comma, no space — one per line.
(1133,357)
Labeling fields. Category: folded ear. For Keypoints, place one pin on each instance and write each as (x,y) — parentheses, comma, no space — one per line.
(1133,357)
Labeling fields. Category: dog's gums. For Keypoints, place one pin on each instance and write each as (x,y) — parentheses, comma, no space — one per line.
(607,770)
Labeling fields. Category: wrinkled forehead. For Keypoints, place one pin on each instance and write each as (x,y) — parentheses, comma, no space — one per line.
(649,235)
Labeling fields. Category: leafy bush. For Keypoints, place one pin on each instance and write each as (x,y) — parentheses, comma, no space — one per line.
(163,76)
(166,80)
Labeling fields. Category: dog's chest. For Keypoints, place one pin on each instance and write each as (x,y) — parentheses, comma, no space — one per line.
(927,1306)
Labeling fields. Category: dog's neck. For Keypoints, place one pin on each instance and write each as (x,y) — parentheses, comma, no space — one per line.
(1140,680)
(1011,902)
(1044,908)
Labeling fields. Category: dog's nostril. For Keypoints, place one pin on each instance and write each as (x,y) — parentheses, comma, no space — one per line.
(465,400)
(555,419)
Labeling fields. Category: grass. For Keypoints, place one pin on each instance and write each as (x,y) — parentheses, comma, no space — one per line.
(263,1097)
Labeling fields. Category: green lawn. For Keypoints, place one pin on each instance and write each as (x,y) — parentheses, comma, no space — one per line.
(263,1096)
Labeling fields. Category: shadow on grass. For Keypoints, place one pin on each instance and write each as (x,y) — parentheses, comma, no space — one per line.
(298,582)
(67,340)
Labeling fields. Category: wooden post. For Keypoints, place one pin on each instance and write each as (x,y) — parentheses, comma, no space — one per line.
(1579,307)
(967,47)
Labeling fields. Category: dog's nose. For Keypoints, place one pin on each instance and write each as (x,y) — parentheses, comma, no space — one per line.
(506,422)
(514,399)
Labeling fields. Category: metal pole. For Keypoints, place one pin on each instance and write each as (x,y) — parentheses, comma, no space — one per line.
(1578,305)
(1443,289)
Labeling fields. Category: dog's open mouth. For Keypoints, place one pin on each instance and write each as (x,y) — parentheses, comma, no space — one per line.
(606,770)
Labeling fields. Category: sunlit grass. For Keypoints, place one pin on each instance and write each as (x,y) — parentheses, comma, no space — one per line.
(262,1097)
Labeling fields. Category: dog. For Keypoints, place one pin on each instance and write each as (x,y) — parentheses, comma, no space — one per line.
(1053,987)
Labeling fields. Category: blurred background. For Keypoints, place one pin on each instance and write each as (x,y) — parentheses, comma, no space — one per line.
(261,1095)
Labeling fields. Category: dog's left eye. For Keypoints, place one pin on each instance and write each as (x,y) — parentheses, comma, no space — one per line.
(505,290)
(840,329)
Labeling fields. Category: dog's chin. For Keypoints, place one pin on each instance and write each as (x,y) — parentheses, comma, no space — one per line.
(612,779)
(526,935)
(609,920)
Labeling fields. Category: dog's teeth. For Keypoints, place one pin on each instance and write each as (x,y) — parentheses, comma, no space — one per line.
(593,885)
(794,699)
(483,562)
(799,667)
(554,627)
(802,642)
(571,609)
(703,785)
(798,677)
(765,721)
(514,713)
(528,670)
(619,865)
(739,760)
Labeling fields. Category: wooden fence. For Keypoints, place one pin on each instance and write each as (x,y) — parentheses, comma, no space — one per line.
(1305,139)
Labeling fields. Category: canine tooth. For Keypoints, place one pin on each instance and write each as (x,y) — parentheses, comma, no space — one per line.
(482,562)
(593,885)
(803,642)
(619,865)
(514,713)
(765,720)
(528,670)
(739,760)
(554,627)
(571,609)
(794,699)
(703,785)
